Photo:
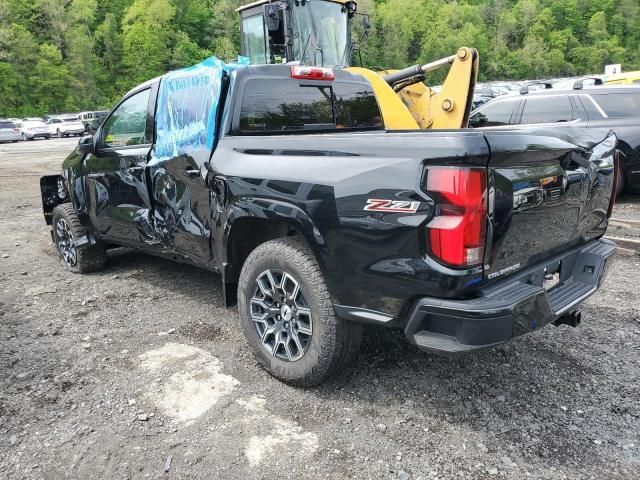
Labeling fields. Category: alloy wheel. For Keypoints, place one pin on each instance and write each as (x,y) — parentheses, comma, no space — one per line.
(65,243)
(281,315)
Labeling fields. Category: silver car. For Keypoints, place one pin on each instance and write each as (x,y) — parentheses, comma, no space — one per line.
(9,131)
(32,128)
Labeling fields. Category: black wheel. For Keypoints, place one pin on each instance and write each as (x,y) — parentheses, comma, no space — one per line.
(24,137)
(59,133)
(288,318)
(67,230)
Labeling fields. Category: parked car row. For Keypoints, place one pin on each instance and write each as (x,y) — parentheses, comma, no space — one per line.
(13,130)
(485,92)
(28,129)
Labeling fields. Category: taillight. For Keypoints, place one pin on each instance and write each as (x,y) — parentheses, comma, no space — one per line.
(303,72)
(457,233)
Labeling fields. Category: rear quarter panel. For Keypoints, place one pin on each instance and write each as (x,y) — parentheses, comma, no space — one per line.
(371,260)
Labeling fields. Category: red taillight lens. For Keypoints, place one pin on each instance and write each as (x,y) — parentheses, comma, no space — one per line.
(302,72)
(457,233)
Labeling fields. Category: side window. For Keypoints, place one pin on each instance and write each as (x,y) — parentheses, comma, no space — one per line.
(552,109)
(253,39)
(495,114)
(619,105)
(127,124)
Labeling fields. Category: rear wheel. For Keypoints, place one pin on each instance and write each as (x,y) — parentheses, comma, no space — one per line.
(287,315)
(59,133)
(67,230)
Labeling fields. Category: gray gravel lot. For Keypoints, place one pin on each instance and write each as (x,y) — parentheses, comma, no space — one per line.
(140,372)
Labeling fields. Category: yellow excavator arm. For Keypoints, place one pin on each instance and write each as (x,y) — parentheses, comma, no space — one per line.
(407,103)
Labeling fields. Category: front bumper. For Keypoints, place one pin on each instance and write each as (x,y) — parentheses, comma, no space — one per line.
(516,306)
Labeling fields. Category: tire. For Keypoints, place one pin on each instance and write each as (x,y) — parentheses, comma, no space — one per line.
(24,137)
(68,229)
(329,344)
(59,133)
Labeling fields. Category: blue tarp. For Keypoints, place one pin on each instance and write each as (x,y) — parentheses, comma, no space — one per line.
(187,104)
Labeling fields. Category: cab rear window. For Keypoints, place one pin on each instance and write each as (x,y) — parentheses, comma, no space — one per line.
(282,106)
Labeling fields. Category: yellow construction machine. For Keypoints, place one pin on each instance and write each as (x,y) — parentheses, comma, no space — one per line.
(319,33)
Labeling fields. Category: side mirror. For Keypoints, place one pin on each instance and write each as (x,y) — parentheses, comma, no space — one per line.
(86,144)
(366,23)
(271,17)
(478,121)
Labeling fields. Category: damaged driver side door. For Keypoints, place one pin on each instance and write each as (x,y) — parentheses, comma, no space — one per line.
(119,203)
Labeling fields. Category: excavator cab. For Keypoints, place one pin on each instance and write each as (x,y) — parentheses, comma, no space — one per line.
(311,32)
(317,33)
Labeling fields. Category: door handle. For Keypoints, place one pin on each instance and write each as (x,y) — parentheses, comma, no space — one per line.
(192,172)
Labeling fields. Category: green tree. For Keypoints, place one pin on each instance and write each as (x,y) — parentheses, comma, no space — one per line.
(147,35)
(50,81)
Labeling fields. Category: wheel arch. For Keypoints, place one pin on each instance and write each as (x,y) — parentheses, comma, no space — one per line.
(251,223)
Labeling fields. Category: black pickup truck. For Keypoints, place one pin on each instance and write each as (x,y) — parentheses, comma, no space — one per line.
(319,220)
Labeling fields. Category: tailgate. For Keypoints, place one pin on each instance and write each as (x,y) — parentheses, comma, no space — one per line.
(549,190)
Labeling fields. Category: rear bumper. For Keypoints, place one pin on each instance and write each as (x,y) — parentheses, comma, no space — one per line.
(512,308)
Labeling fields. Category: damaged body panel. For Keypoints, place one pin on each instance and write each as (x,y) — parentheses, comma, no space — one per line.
(206,164)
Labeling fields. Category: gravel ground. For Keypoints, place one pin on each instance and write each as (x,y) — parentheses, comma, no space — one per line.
(140,372)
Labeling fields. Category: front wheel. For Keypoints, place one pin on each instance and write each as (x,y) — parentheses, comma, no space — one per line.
(288,318)
(67,233)
(59,134)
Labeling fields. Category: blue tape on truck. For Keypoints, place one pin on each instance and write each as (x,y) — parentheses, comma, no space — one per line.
(187,104)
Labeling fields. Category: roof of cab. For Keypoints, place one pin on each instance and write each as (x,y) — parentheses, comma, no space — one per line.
(283,71)
(264,2)
(142,86)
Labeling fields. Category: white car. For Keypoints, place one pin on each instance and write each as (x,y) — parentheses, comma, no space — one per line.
(65,126)
(9,132)
(31,129)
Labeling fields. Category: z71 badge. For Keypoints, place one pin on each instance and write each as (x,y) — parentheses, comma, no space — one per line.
(394,206)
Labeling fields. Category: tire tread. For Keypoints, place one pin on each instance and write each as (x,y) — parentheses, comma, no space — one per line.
(91,258)
(342,339)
